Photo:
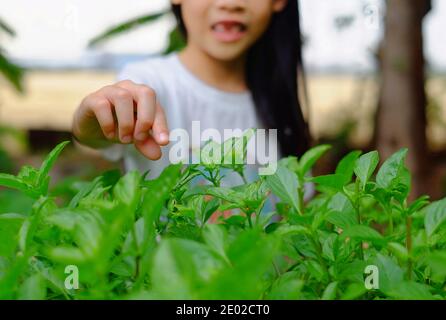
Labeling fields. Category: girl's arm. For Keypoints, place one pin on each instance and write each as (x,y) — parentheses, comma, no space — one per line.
(125,113)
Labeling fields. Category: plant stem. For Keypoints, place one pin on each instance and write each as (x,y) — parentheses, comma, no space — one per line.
(409,246)
(357,206)
(276,269)
(138,255)
(318,249)
(242,175)
(248,215)
(185,181)
(301,203)
(249,220)
(300,192)
(389,213)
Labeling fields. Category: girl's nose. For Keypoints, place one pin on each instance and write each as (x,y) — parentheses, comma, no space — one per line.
(231,5)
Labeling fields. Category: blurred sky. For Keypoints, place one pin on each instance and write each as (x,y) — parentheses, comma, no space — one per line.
(55,32)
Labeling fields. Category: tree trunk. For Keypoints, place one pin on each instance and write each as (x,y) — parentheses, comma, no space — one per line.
(401,116)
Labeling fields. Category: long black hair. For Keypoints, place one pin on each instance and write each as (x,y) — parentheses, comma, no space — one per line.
(271,74)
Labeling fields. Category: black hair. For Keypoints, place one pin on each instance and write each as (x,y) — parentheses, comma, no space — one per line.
(271,75)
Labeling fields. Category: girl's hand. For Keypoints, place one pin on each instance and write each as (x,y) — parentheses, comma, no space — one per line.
(125,113)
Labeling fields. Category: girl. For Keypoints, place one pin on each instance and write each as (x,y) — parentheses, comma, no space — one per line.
(238,70)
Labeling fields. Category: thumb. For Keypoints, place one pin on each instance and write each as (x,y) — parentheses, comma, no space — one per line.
(149,148)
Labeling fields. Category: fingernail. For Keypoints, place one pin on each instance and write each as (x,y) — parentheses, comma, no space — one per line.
(126,139)
(110,135)
(164,137)
(142,136)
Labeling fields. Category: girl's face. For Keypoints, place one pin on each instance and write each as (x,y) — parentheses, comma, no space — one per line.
(226,29)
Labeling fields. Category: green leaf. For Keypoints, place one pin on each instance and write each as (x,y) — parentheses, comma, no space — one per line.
(264,221)
(363,233)
(330,291)
(398,250)
(6,28)
(347,165)
(236,221)
(418,204)
(353,272)
(9,280)
(131,244)
(251,255)
(409,290)
(390,273)
(394,177)
(33,288)
(226,194)
(153,201)
(122,269)
(291,163)
(291,230)
(390,172)
(159,192)
(50,274)
(284,184)
(176,41)
(215,237)
(182,268)
(365,166)
(332,181)
(253,193)
(287,287)
(49,161)
(29,175)
(127,189)
(15,201)
(87,230)
(437,262)
(66,255)
(97,186)
(316,270)
(209,208)
(41,208)
(435,216)
(342,214)
(307,161)
(340,202)
(328,247)
(13,73)
(354,291)
(342,220)
(10,225)
(9,181)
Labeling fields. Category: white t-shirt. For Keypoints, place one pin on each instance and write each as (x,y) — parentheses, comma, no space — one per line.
(185,99)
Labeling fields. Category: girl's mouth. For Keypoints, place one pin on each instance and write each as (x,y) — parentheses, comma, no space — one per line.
(229,31)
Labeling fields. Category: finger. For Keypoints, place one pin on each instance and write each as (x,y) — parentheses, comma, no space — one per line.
(160,128)
(122,101)
(102,110)
(145,98)
(149,148)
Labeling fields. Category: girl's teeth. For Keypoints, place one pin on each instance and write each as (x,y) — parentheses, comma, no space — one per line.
(220,28)
(223,28)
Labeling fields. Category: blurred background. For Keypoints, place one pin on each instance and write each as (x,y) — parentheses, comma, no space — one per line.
(375,76)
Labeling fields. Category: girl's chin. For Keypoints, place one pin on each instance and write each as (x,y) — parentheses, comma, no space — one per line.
(227,54)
